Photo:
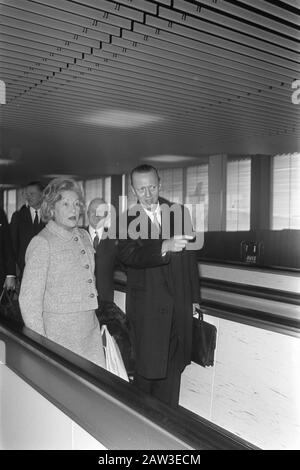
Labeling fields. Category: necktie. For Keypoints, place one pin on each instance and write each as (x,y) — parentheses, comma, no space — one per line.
(155,221)
(96,241)
(36,220)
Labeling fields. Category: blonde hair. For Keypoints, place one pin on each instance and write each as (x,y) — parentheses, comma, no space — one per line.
(52,194)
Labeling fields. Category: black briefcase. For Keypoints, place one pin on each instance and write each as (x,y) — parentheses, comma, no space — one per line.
(204,341)
(9,307)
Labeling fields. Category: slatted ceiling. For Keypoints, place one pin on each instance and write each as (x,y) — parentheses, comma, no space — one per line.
(273,10)
(142,5)
(53,51)
(60,20)
(36,54)
(259,103)
(28,58)
(73,96)
(229,82)
(235,119)
(202,60)
(250,30)
(225,44)
(249,16)
(105,6)
(186,93)
(12,24)
(146,63)
(85,17)
(214,50)
(55,44)
(214,75)
(293,3)
(75,24)
(202,129)
(187,88)
(94,14)
(224,33)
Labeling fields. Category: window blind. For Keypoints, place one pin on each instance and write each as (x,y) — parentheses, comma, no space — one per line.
(238,192)
(286,191)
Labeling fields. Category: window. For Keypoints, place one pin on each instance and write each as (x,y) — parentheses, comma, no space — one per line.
(10,202)
(286,191)
(238,191)
(100,187)
(197,191)
(172,184)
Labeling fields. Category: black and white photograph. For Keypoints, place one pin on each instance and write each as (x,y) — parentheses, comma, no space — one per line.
(150,228)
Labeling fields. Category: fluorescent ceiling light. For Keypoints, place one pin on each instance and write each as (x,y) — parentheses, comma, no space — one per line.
(169,158)
(6,161)
(123,119)
(59,176)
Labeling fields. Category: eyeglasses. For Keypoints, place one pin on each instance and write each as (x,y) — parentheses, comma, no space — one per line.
(146,189)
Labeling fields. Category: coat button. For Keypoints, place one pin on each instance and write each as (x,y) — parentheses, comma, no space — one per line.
(92,295)
(87,266)
(90,281)
(76,239)
(83,252)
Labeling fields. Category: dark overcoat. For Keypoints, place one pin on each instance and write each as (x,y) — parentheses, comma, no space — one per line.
(7,261)
(22,231)
(160,291)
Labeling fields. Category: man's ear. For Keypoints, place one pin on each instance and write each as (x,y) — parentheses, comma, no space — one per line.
(133,190)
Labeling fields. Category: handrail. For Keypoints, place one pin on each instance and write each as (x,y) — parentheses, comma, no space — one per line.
(252,266)
(266,293)
(256,318)
(259,318)
(112,410)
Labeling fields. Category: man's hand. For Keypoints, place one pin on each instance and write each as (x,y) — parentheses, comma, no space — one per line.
(175,244)
(196,309)
(10,283)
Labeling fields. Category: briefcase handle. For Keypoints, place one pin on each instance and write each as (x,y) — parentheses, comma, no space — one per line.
(199,313)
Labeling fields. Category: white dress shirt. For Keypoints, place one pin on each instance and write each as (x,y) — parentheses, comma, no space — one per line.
(32,212)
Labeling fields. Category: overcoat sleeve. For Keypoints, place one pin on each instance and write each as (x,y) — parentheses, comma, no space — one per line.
(34,284)
(7,257)
(141,253)
(14,230)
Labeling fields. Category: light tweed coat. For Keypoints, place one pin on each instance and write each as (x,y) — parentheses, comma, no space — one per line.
(58,276)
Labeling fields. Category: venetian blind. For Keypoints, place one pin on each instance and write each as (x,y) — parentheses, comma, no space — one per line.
(286,191)
(238,195)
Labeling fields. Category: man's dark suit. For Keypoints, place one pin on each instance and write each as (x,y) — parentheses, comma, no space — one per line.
(160,294)
(22,231)
(7,262)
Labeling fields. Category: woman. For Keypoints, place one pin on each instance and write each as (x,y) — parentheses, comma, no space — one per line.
(58,296)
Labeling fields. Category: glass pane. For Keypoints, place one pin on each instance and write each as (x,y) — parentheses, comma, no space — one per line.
(238,193)
(172,184)
(286,192)
(93,188)
(11,203)
(197,191)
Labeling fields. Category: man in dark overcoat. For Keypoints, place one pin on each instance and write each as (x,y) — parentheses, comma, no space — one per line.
(162,286)
(26,223)
(7,261)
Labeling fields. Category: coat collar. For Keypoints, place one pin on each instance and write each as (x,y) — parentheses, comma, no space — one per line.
(61,232)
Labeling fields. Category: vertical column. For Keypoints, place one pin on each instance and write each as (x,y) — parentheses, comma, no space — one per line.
(260,192)
(217,192)
(116,191)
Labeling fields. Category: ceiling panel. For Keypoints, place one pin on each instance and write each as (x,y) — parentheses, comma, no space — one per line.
(94,86)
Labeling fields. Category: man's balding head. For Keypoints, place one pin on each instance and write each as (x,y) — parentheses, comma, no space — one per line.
(97,212)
